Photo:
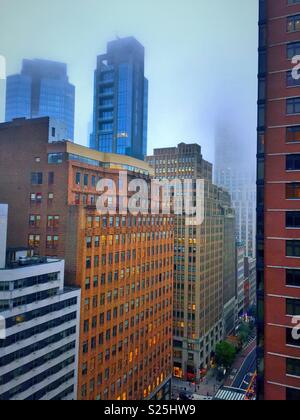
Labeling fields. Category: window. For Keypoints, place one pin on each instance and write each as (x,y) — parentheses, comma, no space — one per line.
(293,367)
(293,49)
(293,134)
(36,178)
(293,162)
(52,242)
(293,307)
(293,191)
(293,105)
(88,242)
(293,219)
(292,394)
(77,199)
(78,178)
(293,277)
(35,221)
(53,222)
(290,80)
(88,263)
(293,23)
(86,180)
(55,158)
(293,248)
(34,241)
(290,340)
(51,178)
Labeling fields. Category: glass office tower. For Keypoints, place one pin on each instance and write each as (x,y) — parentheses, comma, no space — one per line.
(41,90)
(121,100)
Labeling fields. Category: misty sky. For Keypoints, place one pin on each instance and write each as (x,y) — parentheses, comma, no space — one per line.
(201,59)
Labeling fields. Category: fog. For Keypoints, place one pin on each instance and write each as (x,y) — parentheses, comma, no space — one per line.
(201,60)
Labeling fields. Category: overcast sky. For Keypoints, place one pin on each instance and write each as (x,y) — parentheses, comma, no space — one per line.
(201,59)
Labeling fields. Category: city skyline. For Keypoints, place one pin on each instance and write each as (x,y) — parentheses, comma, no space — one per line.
(149,224)
(172,51)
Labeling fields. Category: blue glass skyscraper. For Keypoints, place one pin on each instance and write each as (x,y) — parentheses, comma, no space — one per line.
(41,90)
(121,100)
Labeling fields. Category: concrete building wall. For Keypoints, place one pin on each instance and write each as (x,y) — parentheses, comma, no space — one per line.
(38,356)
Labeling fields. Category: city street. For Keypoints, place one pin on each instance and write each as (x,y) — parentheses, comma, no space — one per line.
(244,368)
(208,388)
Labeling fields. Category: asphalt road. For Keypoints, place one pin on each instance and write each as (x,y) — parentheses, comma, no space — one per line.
(243,377)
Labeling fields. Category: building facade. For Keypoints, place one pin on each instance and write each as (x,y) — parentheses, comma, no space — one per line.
(39,349)
(122,263)
(241,186)
(121,100)
(240,275)
(250,274)
(278,241)
(42,89)
(202,271)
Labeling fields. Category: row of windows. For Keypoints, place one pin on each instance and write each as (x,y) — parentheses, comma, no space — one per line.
(39,329)
(35,380)
(120,292)
(52,387)
(145,268)
(35,347)
(292,135)
(52,241)
(128,376)
(52,221)
(40,312)
(123,345)
(124,309)
(34,364)
(27,300)
(117,240)
(37,198)
(36,178)
(142,385)
(126,221)
(28,282)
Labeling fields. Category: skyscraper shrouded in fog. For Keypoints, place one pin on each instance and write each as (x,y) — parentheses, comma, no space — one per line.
(278,187)
(241,186)
(233,171)
(121,100)
(42,89)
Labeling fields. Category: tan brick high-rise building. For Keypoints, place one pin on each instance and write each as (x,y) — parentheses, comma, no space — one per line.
(123,263)
(204,277)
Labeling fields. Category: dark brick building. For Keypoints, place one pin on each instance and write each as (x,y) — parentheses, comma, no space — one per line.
(278,237)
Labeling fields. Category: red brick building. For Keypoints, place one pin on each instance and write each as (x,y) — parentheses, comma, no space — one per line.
(278,234)
(122,263)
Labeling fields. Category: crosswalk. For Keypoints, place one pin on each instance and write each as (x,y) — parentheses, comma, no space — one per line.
(230,394)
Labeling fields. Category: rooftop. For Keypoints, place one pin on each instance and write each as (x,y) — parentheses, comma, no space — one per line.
(22,262)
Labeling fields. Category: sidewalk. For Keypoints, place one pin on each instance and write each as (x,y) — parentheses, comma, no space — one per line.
(208,388)
(239,363)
